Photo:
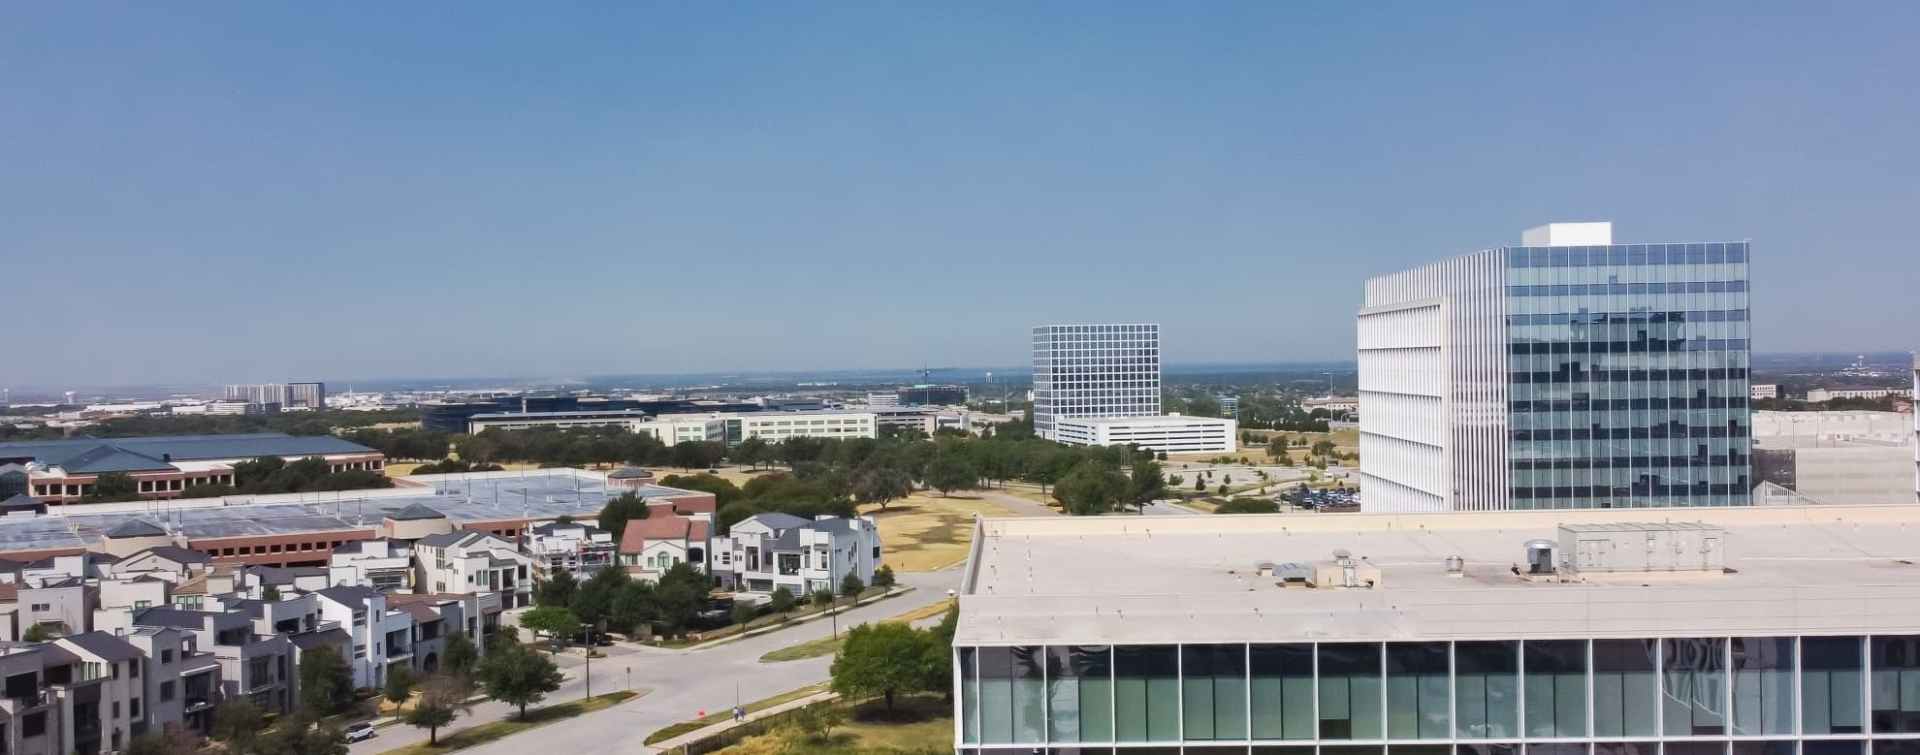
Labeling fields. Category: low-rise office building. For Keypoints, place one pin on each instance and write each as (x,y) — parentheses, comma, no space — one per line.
(64,471)
(1818,395)
(1172,433)
(1699,631)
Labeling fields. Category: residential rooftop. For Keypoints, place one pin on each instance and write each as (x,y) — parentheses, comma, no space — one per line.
(1198,579)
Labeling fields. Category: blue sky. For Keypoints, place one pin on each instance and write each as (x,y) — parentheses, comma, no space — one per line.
(256,191)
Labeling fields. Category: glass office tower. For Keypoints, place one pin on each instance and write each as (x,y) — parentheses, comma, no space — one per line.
(1099,370)
(1627,379)
(1567,372)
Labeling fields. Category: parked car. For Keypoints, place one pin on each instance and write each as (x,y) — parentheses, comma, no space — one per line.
(360,732)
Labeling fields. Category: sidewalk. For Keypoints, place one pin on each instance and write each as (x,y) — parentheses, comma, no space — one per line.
(699,734)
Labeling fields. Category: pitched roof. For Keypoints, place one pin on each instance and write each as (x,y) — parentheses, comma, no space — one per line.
(629,473)
(422,612)
(351,595)
(661,526)
(108,647)
(87,453)
(311,640)
(136,528)
(550,527)
(195,586)
(172,617)
(9,592)
(22,502)
(778,521)
(443,539)
(415,511)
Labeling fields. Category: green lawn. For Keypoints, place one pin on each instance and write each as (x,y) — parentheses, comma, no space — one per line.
(808,649)
(536,717)
(755,706)
(921,724)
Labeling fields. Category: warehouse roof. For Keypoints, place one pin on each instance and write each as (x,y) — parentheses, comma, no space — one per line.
(1097,580)
(463,498)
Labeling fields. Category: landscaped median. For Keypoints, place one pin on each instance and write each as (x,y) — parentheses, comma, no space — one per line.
(686,727)
(776,622)
(535,718)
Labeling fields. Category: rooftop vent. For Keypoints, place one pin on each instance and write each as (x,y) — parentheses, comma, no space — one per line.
(1540,556)
(1456,566)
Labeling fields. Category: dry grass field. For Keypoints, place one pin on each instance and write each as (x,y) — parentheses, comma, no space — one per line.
(929,532)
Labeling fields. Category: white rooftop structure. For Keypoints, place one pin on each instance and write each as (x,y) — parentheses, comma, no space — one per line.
(1610,573)
(1569,234)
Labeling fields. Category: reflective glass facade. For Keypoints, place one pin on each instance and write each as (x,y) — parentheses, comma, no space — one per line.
(1627,375)
(1094,371)
(1847,695)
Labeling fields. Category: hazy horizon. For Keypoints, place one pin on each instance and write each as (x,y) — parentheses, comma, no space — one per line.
(259,192)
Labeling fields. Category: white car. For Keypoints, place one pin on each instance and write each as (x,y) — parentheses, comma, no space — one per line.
(360,732)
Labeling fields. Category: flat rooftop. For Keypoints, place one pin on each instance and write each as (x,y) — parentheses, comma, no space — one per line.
(535,494)
(1165,579)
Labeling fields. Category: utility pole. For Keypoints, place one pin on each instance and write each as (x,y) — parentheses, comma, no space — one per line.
(589,661)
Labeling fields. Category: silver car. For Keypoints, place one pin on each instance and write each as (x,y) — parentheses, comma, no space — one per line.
(360,732)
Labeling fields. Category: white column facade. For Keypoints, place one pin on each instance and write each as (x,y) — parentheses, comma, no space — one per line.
(1433,388)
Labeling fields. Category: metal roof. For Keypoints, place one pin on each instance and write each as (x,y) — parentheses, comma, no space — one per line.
(93,455)
(463,498)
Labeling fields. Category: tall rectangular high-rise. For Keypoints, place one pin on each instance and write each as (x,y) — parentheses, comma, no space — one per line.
(1104,370)
(308,395)
(1567,372)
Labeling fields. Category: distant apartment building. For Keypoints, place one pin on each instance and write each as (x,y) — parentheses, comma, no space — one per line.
(63,471)
(263,393)
(239,408)
(1229,406)
(1566,372)
(1759,391)
(306,396)
(768,551)
(1094,370)
(384,565)
(465,562)
(878,399)
(774,427)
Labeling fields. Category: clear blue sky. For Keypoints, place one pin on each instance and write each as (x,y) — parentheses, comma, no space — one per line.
(265,191)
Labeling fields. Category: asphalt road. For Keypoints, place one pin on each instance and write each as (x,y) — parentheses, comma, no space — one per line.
(679,683)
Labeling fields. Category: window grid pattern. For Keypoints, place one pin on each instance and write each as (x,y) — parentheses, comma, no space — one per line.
(1110,370)
(1714,695)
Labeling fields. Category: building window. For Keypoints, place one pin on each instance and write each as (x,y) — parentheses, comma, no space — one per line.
(1694,672)
(33,725)
(1830,679)
(1080,694)
(1213,691)
(133,707)
(1146,694)
(1012,705)
(1762,686)
(1556,688)
(1896,684)
(166,691)
(1350,692)
(1625,689)
(166,656)
(1417,691)
(1486,689)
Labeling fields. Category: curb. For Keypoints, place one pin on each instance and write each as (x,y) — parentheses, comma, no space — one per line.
(728,725)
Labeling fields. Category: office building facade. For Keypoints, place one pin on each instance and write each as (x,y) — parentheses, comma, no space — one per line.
(1567,372)
(1172,433)
(307,396)
(1101,370)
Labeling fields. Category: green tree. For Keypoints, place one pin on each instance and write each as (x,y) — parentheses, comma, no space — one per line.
(781,600)
(1323,448)
(556,592)
(724,491)
(557,623)
(326,682)
(399,685)
(752,452)
(680,595)
(625,508)
(518,677)
(851,586)
(633,608)
(238,722)
(112,486)
(300,735)
(883,576)
(593,602)
(1092,488)
(460,654)
(821,597)
(879,481)
(1199,484)
(441,701)
(883,659)
(1247,506)
(45,631)
(817,721)
(1146,483)
(270,594)
(951,471)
